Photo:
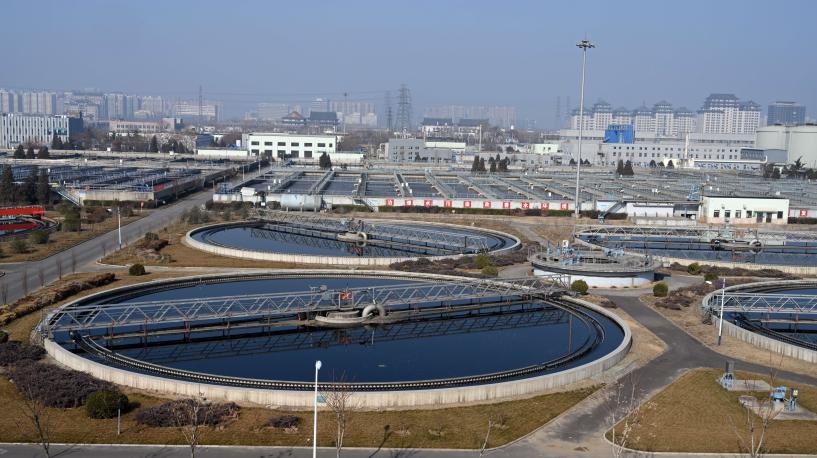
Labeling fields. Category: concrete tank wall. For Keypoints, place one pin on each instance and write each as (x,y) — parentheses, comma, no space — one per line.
(300,202)
(771,137)
(367,400)
(803,143)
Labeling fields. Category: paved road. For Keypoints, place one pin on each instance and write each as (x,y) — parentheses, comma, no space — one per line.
(88,252)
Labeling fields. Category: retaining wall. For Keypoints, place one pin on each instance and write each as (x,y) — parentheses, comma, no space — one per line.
(408,399)
(324,260)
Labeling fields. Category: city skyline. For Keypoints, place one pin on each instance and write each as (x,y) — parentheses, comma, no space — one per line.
(642,53)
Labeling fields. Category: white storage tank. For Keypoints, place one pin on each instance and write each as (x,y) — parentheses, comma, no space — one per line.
(772,137)
(300,202)
(803,143)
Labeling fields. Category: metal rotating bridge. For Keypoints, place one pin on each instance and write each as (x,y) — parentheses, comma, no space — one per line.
(83,318)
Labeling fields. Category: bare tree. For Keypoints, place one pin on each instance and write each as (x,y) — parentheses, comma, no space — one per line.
(491,425)
(34,414)
(191,417)
(24,283)
(4,292)
(41,277)
(752,433)
(58,263)
(73,262)
(624,413)
(342,404)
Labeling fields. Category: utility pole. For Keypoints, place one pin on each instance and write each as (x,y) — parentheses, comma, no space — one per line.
(584,45)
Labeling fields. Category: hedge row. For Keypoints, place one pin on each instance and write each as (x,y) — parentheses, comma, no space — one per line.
(181,412)
(54,386)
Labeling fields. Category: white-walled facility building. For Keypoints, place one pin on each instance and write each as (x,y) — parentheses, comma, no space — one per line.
(744,210)
(16,129)
(289,146)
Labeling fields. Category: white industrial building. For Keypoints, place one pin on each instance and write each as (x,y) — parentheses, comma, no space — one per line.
(797,141)
(17,129)
(744,210)
(289,146)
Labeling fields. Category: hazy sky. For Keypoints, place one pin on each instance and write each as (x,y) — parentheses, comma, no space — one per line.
(519,53)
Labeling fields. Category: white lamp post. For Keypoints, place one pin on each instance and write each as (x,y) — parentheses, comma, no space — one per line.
(720,321)
(315,424)
(584,45)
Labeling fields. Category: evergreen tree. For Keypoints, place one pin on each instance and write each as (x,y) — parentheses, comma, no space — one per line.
(482,165)
(671,165)
(56,142)
(475,164)
(653,164)
(29,187)
(492,162)
(776,173)
(628,169)
(43,153)
(154,145)
(7,194)
(43,188)
(572,162)
(30,152)
(325,162)
(19,152)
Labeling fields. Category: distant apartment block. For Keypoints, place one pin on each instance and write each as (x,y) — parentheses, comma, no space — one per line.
(786,114)
(500,116)
(189,109)
(16,128)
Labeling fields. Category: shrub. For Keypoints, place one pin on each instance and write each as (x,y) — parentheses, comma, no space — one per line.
(54,386)
(710,276)
(39,237)
(105,404)
(481,261)
(13,352)
(660,290)
(490,271)
(150,236)
(579,286)
(19,245)
(178,412)
(136,270)
(284,421)
(694,268)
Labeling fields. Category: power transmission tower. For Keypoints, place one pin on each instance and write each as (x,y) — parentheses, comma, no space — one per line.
(201,106)
(389,112)
(403,121)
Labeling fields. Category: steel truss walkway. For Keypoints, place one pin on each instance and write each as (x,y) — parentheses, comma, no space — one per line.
(255,306)
(163,352)
(380,231)
(762,303)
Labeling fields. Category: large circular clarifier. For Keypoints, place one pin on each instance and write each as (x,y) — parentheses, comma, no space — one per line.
(431,333)
(310,239)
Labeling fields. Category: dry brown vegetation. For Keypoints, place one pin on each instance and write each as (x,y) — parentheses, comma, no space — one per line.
(694,414)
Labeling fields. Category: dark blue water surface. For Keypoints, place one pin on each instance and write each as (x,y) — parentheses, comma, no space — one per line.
(437,347)
(793,253)
(271,241)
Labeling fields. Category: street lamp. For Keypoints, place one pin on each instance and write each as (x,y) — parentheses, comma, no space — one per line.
(315,418)
(584,45)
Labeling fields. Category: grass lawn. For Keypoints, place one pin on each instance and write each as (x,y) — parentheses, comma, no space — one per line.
(694,414)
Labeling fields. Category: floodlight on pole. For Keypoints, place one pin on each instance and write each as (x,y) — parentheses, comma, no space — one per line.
(584,45)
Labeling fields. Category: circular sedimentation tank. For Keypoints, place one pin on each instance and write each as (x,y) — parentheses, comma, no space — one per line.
(714,245)
(22,225)
(782,311)
(599,268)
(397,340)
(307,239)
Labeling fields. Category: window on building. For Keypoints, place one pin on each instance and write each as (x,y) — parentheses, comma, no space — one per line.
(330,145)
(307,144)
(281,152)
(321,145)
(308,154)
(267,143)
(748,213)
(779,215)
(727,213)
(294,144)
(295,154)
(254,143)
(716,214)
(267,151)
(255,151)
(737,214)
(282,143)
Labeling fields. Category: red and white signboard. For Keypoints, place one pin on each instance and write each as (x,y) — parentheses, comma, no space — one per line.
(525,205)
(563,206)
(409,202)
(427,202)
(803,213)
(506,204)
(486,204)
(545,205)
(466,204)
(390,202)
(448,204)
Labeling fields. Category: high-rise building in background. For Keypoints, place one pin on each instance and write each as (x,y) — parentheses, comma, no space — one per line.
(786,113)
(271,111)
(189,109)
(38,102)
(354,112)
(726,114)
(319,104)
(500,116)
(9,101)
(39,129)
(116,106)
